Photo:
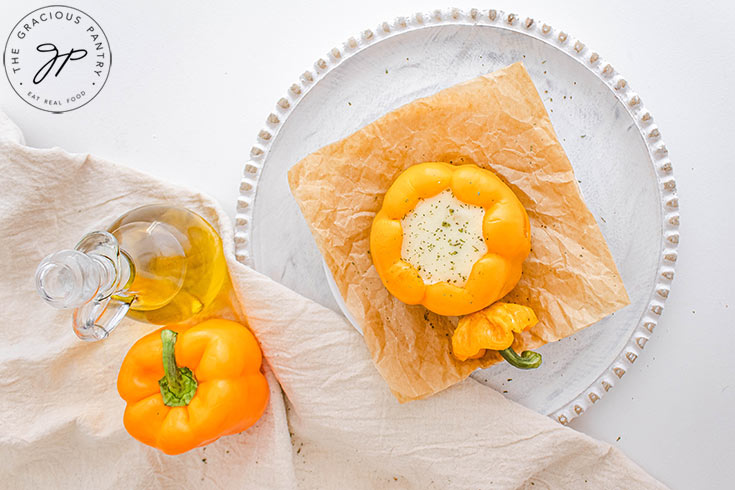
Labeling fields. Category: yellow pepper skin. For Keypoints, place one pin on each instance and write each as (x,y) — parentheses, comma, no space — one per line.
(218,390)
(506,232)
(492,328)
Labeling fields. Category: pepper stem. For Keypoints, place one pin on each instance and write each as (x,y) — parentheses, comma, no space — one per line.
(527,360)
(178,385)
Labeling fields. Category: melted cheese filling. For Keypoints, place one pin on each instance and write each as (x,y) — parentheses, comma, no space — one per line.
(442,238)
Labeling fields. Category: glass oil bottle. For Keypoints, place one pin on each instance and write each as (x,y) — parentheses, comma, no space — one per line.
(158,264)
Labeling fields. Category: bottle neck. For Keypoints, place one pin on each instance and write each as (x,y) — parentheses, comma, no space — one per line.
(69,279)
(94,270)
(86,279)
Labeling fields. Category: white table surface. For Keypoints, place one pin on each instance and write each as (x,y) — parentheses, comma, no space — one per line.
(191,84)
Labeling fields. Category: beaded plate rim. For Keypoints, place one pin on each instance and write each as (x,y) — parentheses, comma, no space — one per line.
(559,39)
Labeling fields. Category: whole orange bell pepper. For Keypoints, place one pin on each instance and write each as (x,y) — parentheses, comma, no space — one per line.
(185,388)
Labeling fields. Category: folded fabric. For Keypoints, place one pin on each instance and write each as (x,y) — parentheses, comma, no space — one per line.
(337,426)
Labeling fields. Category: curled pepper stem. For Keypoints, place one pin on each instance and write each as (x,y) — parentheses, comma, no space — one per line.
(528,359)
(178,385)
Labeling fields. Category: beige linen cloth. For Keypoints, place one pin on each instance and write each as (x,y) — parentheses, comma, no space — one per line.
(331,423)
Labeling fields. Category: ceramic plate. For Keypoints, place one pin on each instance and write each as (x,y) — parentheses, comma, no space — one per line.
(613,143)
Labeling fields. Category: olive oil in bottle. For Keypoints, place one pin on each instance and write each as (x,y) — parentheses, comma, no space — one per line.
(158,264)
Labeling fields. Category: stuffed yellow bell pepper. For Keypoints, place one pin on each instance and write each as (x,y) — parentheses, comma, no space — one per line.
(187,387)
(505,233)
(492,328)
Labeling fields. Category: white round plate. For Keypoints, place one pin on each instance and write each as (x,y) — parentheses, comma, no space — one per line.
(616,150)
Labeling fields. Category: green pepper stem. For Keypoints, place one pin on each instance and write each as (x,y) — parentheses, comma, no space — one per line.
(171,370)
(527,360)
(178,385)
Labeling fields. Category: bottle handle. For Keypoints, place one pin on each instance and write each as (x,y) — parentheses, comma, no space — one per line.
(99,316)
(96,319)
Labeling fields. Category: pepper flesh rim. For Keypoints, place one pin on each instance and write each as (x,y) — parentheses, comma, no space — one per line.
(506,233)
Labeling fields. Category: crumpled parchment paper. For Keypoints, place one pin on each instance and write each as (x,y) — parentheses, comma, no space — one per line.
(498,122)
